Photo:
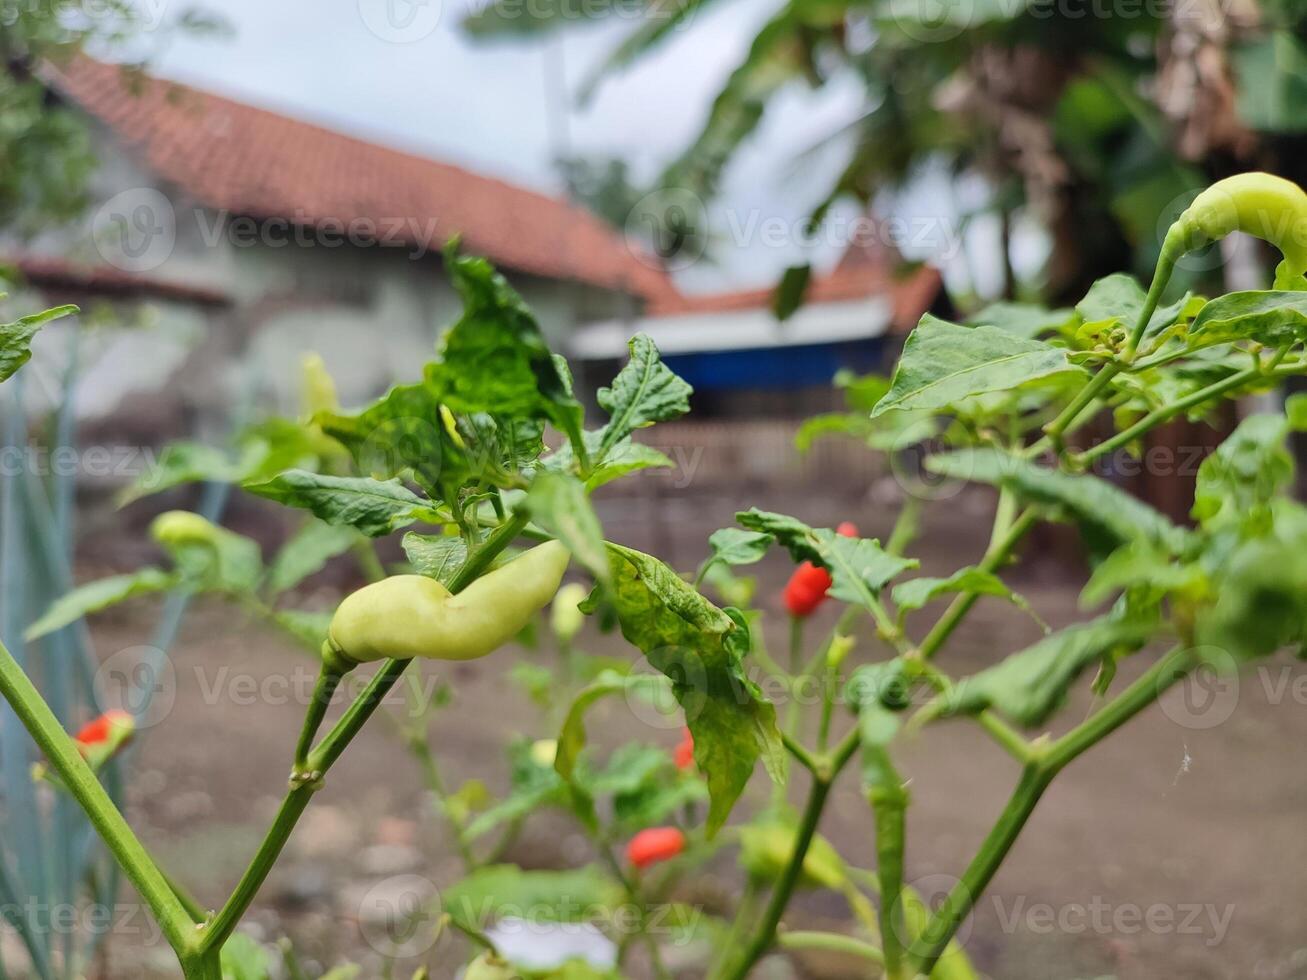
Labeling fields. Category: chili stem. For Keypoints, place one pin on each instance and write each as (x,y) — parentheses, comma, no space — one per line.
(317,710)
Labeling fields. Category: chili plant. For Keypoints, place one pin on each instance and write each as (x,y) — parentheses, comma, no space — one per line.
(1006,399)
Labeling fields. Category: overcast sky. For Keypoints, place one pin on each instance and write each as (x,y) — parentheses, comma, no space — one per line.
(402,72)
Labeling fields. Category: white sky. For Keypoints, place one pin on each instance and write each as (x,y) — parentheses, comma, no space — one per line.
(402,72)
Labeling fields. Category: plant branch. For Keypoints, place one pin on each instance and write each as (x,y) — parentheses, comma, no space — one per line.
(830,942)
(82,783)
(1035,779)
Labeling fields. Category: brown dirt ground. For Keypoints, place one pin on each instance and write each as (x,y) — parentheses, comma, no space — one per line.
(1176,823)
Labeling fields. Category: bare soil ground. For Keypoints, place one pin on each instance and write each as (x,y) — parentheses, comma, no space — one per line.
(1175,849)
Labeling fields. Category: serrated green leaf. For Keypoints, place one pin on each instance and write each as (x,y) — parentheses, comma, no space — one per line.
(1022,319)
(916,593)
(701,649)
(859,567)
(944,363)
(645,391)
(736,546)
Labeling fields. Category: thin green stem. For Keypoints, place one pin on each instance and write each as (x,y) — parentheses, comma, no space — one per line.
(317,710)
(957,610)
(805,758)
(765,934)
(1035,779)
(830,942)
(81,782)
(436,784)
(824,776)
(889,803)
(1168,412)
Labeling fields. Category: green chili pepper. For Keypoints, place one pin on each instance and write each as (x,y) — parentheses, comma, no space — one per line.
(408,616)
(1268,207)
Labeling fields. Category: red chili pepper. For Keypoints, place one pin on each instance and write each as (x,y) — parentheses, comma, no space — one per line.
(654,845)
(109,726)
(807,587)
(684,754)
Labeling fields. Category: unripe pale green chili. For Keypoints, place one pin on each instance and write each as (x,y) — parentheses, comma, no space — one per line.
(408,616)
(180,527)
(1259,204)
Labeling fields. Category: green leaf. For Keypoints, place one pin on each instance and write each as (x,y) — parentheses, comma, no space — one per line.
(859,567)
(309,628)
(701,649)
(558,503)
(1094,503)
(645,391)
(1030,685)
(1116,302)
(626,456)
(943,363)
(495,359)
(375,507)
(736,546)
(245,958)
(572,736)
(791,291)
(916,593)
(1245,473)
(1022,319)
(436,556)
(1141,564)
(97,595)
(1273,318)
(16,338)
(182,462)
(307,553)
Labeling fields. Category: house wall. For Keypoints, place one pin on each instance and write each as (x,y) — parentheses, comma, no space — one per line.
(373,311)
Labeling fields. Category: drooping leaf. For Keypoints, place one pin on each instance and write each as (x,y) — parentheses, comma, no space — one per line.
(95,596)
(572,736)
(916,593)
(1092,502)
(944,363)
(702,649)
(375,507)
(1245,473)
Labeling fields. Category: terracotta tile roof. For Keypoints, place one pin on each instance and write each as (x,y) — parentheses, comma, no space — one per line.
(104,280)
(248,161)
(913,295)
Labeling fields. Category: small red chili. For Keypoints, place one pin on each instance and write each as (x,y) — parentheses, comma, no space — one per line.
(807,587)
(684,754)
(109,726)
(654,845)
